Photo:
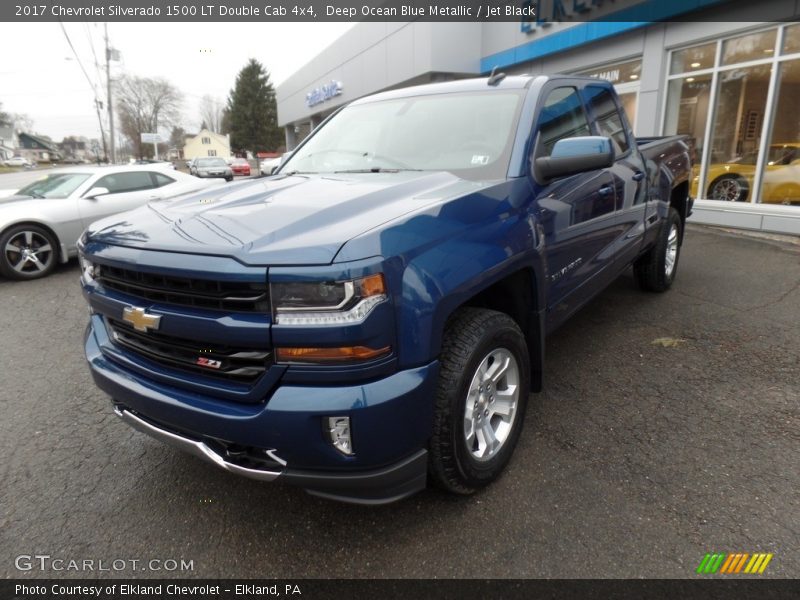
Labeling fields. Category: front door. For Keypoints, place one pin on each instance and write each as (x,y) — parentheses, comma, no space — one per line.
(576,212)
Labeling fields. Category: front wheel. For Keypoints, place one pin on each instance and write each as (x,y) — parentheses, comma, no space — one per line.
(731,187)
(481,398)
(27,252)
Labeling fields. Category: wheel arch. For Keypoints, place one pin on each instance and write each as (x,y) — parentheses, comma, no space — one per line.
(731,175)
(517,295)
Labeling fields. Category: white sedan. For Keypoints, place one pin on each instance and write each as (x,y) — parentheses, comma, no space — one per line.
(40,224)
(17,161)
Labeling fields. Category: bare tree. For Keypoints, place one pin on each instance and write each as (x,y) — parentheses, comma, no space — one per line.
(145,104)
(211,113)
(22,122)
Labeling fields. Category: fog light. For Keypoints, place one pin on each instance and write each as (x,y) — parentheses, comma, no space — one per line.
(338,430)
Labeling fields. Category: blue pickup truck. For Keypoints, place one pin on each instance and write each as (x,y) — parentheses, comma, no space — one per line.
(372,317)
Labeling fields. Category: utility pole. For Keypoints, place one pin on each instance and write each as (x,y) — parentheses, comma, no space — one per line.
(110,105)
(97,106)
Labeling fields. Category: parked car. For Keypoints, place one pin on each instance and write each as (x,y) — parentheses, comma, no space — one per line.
(373,316)
(160,163)
(40,223)
(733,181)
(240,166)
(211,167)
(269,165)
(18,161)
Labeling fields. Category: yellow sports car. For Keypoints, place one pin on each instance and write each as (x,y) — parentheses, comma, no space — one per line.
(733,181)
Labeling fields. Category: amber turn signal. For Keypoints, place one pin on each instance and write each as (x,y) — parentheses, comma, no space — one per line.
(372,285)
(329,355)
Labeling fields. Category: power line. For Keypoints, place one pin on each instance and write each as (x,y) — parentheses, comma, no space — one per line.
(94,90)
(78,58)
(94,54)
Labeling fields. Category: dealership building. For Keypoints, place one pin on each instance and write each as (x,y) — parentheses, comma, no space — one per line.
(726,74)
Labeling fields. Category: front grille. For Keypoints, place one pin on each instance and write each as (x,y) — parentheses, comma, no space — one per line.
(239,365)
(234,296)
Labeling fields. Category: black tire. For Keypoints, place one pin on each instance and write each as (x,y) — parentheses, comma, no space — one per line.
(730,187)
(229,179)
(472,336)
(653,271)
(33,241)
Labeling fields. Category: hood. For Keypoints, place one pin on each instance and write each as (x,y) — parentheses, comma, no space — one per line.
(298,219)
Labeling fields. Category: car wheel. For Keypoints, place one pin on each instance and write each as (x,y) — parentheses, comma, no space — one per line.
(483,388)
(229,178)
(28,252)
(656,270)
(731,187)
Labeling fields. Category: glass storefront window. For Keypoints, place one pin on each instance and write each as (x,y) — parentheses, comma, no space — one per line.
(736,137)
(791,40)
(693,59)
(781,181)
(687,111)
(754,46)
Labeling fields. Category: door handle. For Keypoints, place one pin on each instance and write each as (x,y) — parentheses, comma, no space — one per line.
(605,190)
(638,176)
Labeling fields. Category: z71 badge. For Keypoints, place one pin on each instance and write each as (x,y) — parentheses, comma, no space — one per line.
(208,362)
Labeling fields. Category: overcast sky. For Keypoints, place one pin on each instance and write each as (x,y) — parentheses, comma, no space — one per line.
(40,77)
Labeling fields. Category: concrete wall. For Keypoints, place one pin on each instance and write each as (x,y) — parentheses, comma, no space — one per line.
(376,56)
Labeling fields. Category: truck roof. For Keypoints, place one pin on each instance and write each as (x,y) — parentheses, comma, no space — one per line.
(475,84)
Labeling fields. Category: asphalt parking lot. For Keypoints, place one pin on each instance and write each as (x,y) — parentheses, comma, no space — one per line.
(669,427)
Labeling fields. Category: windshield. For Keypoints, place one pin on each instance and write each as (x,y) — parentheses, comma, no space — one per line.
(211,162)
(782,155)
(468,133)
(57,185)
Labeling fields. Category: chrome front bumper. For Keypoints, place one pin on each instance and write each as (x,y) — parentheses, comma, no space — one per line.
(197,448)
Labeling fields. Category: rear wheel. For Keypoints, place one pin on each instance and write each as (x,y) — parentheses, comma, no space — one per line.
(656,270)
(482,394)
(28,252)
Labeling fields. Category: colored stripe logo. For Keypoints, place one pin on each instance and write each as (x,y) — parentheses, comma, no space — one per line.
(734,562)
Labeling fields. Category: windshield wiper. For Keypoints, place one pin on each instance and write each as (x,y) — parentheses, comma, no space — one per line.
(376,170)
(298,173)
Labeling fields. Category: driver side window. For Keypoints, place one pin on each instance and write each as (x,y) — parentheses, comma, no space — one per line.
(562,116)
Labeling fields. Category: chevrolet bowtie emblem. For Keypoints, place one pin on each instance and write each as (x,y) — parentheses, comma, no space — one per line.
(140,320)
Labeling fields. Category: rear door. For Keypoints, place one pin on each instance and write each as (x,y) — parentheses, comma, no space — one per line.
(628,172)
(576,212)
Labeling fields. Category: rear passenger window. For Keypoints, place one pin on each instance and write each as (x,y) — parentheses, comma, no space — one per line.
(607,117)
(162,180)
(562,116)
(131,181)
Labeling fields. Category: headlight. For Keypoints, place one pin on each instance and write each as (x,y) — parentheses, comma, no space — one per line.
(327,302)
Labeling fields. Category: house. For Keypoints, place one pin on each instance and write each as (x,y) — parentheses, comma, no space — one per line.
(76,147)
(38,149)
(8,142)
(207,143)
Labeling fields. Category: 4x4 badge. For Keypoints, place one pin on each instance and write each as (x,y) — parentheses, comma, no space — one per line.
(140,319)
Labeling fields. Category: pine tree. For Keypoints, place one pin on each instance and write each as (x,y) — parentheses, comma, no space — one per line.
(252,111)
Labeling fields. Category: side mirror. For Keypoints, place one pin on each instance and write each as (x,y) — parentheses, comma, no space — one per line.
(575,155)
(95,192)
